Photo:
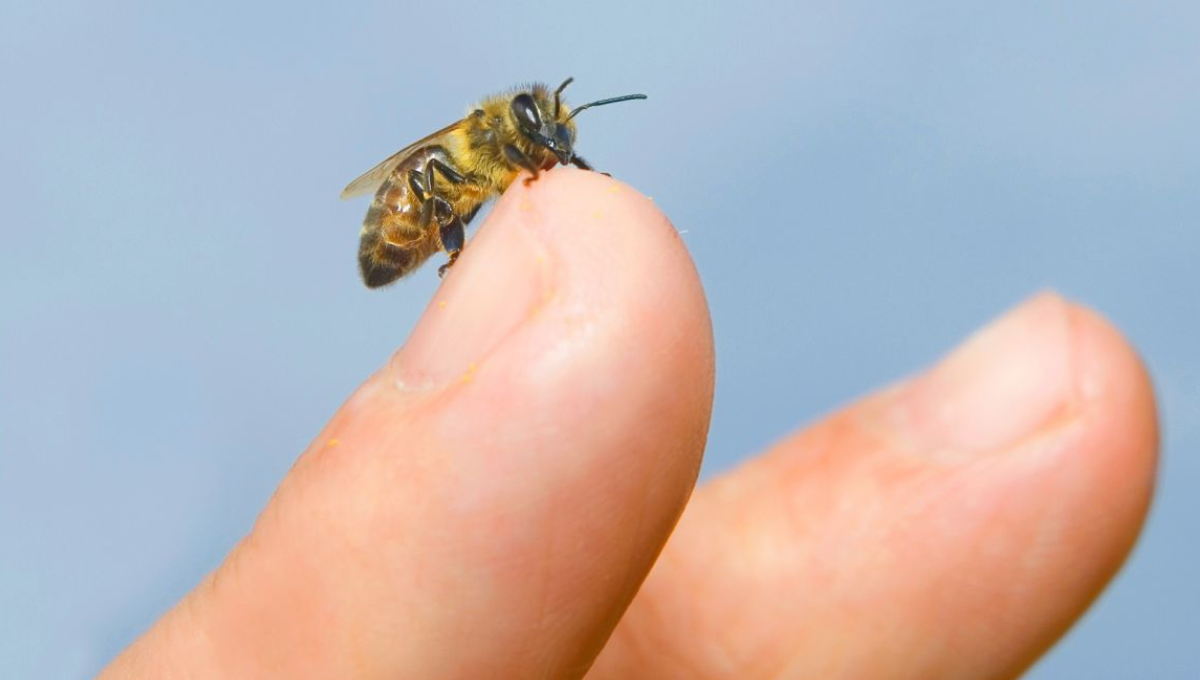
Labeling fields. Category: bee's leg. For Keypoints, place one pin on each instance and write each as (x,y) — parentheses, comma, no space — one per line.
(429,180)
(426,217)
(466,219)
(519,159)
(584,165)
(448,172)
(434,209)
(451,228)
(438,212)
(453,238)
(416,183)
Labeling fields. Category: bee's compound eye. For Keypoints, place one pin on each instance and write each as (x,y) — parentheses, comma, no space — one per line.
(525,109)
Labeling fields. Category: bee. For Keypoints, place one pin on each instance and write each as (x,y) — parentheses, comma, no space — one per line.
(427,193)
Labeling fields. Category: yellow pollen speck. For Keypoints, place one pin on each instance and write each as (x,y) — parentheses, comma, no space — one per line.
(526,205)
(596,215)
(547,296)
(470,374)
(332,443)
(614,189)
(441,304)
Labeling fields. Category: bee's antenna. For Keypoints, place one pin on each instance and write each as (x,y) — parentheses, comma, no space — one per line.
(602,102)
(558,93)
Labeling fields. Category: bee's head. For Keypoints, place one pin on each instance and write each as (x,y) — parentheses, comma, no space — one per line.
(548,124)
(539,121)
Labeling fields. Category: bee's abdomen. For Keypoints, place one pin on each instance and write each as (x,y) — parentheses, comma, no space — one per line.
(393,242)
(382,263)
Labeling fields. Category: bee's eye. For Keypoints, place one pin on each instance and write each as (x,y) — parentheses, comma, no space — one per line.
(525,109)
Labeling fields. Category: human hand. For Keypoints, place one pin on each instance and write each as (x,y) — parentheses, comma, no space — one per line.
(488,504)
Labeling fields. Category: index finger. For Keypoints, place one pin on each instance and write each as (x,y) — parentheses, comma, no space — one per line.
(489,503)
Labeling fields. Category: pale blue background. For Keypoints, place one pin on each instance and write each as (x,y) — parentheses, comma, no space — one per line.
(861,185)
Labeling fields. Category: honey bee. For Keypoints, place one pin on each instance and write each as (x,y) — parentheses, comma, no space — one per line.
(426,193)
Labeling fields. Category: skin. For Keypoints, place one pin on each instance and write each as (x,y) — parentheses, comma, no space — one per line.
(489,502)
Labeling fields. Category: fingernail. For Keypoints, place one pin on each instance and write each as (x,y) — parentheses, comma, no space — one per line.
(494,287)
(1002,385)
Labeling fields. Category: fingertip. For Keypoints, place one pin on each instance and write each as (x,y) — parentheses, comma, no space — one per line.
(619,338)
(1118,458)
(610,232)
(624,254)
(576,247)
(1115,379)
(554,402)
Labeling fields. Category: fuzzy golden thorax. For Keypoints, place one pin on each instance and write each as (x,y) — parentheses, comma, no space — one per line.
(493,124)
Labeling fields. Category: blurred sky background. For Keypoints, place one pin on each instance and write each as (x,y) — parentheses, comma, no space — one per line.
(861,185)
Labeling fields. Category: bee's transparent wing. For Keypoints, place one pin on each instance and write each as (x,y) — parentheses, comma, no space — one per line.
(370,180)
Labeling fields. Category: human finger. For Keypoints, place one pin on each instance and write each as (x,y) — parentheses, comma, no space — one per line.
(953,526)
(488,503)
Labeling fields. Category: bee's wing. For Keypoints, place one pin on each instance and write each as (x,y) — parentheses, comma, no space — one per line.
(370,180)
